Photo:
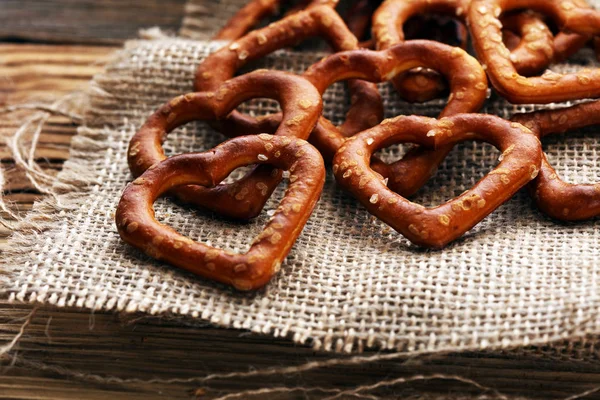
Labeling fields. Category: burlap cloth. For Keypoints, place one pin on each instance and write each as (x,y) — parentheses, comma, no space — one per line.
(350,282)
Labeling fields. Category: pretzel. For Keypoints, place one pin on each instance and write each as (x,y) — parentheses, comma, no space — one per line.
(533,54)
(251,14)
(438,226)
(468,84)
(318,20)
(555,197)
(534,51)
(246,18)
(388,24)
(527,24)
(137,225)
(550,87)
(245,198)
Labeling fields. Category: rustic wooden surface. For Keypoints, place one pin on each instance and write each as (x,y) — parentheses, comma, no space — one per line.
(71,354)
(85,21)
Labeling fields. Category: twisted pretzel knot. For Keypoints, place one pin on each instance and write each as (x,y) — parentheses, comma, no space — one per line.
(245,198)
(555,197)
(438,226)
(468,85)
(137,226)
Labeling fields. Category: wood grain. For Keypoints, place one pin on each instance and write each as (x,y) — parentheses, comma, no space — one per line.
(41,73)
(129,347)
(85,21)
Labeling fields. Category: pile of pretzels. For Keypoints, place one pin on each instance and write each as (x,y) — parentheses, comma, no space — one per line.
(514,40)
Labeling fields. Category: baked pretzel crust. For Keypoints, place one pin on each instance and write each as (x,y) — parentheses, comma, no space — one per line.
(555,197)
(318,20)
(551,87)
(533,54)
(245,198)
(138,226)
(438,226)
(468,86)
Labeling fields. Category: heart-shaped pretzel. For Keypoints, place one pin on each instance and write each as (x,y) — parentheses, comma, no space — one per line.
(322,20)
(388,30)
(137,225)
(551,87)
(468,85)
(555,197)
(245,198)
(438,226)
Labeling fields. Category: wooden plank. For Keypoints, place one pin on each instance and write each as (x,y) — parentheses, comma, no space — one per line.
(44,73)
(109,345)
(85,21)
(30,72)
(41,73)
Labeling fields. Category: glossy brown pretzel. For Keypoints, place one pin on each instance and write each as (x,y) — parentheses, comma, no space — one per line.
(252,13)
(535,50)
(468,86)
(388,30)
(533,54)
(438,226)
(320,20)
(245,198)
(247,18)
(555,197)
(137,225)
(486,34)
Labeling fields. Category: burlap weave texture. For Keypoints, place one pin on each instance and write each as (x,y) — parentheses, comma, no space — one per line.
(350,282)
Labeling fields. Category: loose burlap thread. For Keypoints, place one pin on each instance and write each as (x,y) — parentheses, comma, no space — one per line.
(350,282)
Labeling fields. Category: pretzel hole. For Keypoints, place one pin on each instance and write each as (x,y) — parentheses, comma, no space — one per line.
(336,103)
(196,136)
(575,155)
(467,163)
(259,107)
(203,137)
(394,152)
(213,229)
(464,166)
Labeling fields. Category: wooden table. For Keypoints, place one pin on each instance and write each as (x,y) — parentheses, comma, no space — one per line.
(71,354)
